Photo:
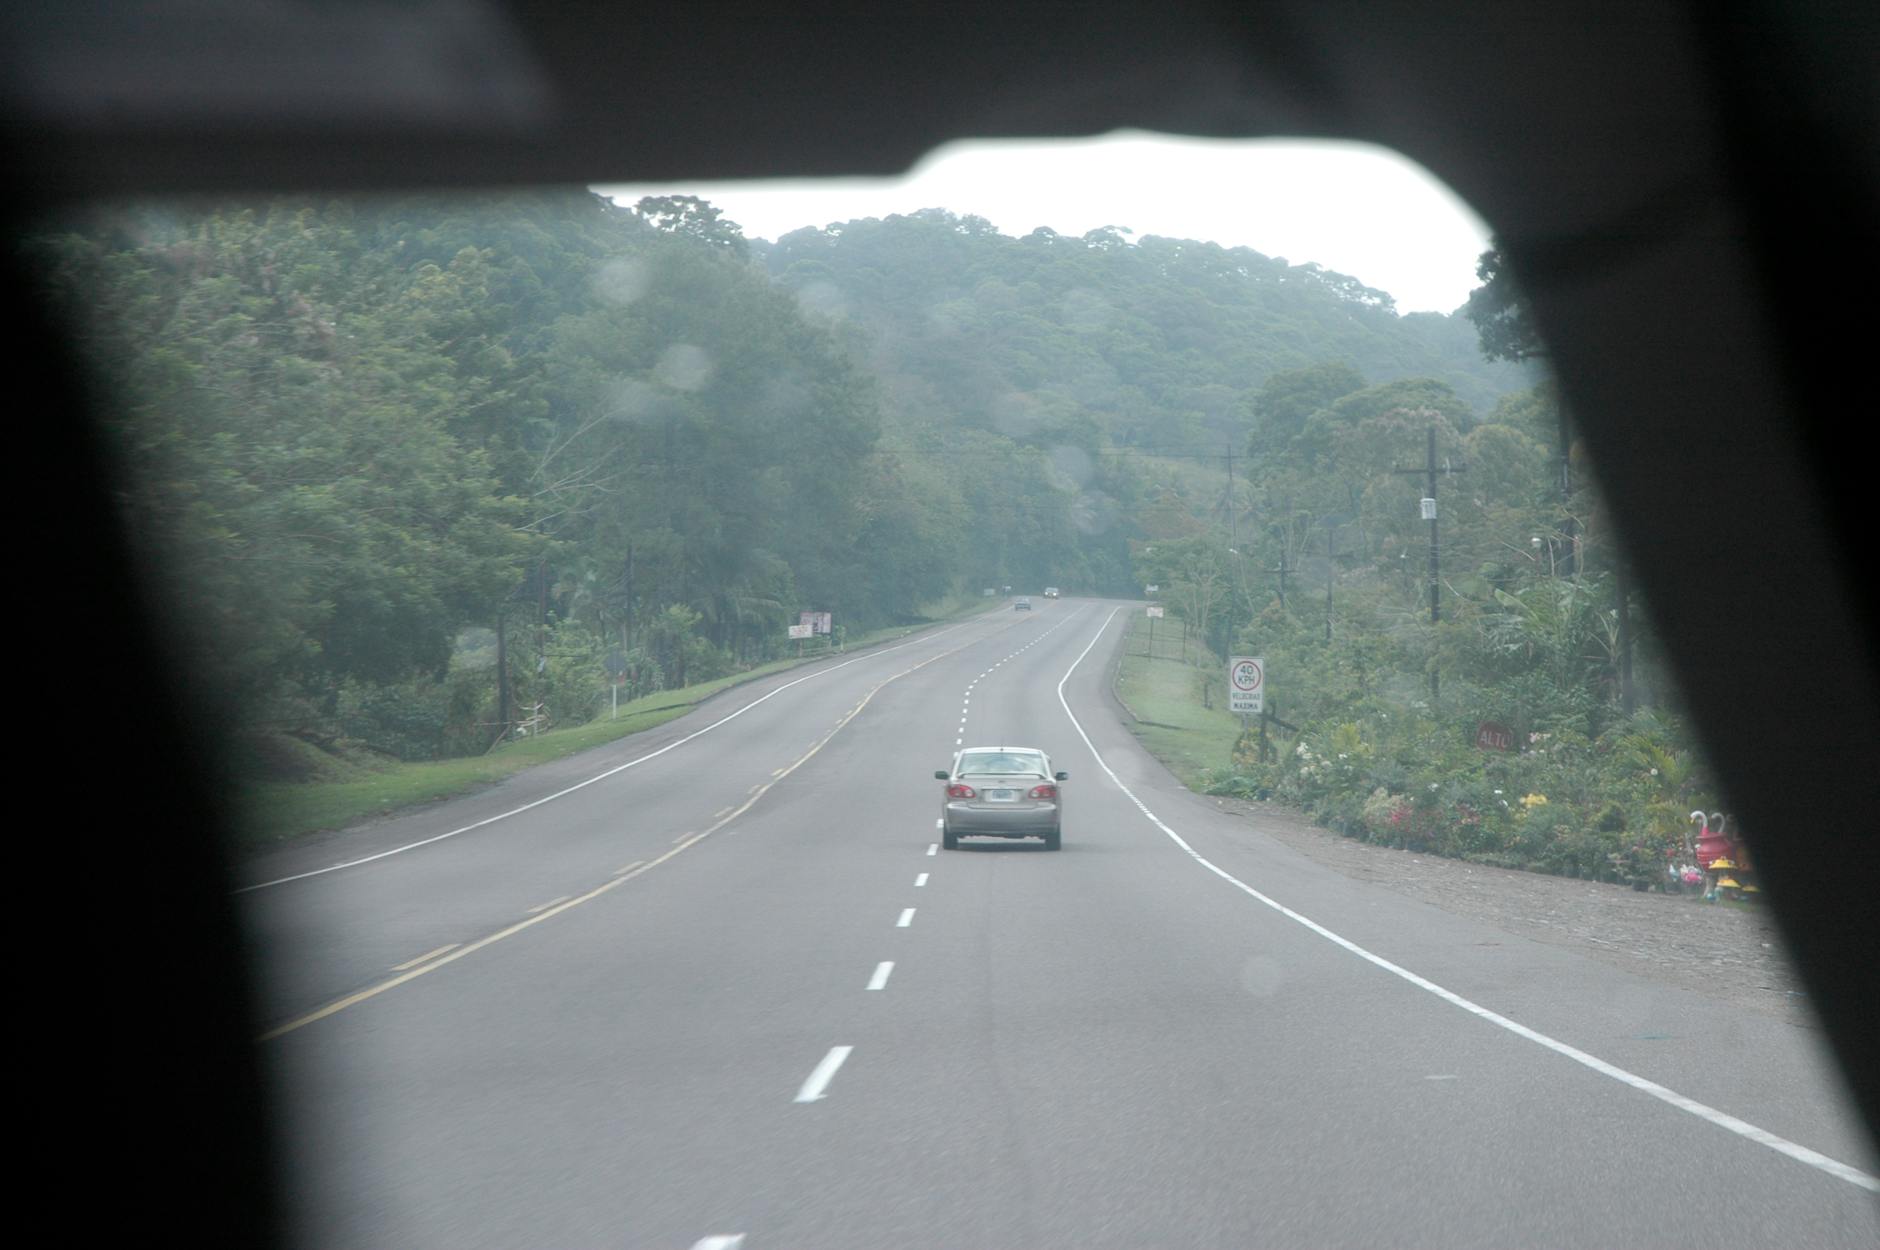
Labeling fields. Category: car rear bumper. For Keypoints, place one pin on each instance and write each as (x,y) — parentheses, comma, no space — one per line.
(969,820)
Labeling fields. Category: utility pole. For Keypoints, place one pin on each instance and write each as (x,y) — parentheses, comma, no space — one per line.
(1628,698)
(1285,537)
(1567,524)
(1428,471)
(1233,525)
(626,578)
(502,677)
(1436,585)
(1331,571)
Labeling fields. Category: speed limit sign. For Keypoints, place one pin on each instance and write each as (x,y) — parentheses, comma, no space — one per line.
(1246,684)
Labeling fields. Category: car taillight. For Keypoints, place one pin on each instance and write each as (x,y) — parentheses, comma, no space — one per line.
(958,791)
(1044,792)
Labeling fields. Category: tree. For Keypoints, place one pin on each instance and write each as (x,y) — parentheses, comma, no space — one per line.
(694,218)
(1288,397)
(1500,313)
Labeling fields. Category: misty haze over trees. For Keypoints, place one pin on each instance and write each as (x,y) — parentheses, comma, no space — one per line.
(417,465)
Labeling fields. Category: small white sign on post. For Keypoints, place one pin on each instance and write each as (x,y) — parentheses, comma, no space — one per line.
(1155,609)
(1246,684)
(1152,588)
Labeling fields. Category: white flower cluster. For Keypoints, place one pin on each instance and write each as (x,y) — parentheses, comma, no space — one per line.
(1305,753)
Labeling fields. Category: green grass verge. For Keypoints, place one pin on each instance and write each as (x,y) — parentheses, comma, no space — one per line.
(349,792)
(1165,692)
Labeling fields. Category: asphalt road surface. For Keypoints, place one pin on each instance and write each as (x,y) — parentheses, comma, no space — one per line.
(727,991)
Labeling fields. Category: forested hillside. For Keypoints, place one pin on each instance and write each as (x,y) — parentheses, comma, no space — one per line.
(1154,343)
(421,467)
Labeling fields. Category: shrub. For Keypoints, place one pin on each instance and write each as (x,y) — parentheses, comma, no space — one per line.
(405,720)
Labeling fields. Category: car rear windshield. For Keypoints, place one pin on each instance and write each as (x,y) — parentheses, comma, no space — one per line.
(1002,762)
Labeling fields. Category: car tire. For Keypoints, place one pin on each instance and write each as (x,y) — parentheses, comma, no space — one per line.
(949,839)
(1054,841)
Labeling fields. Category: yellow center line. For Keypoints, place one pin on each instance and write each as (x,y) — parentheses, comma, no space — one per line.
(412,963)
(625,875)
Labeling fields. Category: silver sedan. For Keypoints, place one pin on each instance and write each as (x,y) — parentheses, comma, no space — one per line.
(1001,792)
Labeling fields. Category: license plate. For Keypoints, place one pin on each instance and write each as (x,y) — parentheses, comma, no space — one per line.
(1004,795)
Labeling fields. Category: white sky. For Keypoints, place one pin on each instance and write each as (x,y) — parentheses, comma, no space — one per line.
(1355,208)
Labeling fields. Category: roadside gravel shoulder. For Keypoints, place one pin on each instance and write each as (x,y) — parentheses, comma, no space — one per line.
(1729,952)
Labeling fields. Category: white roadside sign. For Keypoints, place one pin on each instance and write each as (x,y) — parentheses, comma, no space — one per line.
(1155,609)
(800,631)
(1246,684)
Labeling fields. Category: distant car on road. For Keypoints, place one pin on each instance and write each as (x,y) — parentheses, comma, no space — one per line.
(1021,604)
(1001,792)
(1050,592)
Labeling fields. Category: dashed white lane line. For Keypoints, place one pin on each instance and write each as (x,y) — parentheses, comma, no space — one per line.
(907,918)
(880,978)
(428,955)
(818,1081)
(1722,1119)
(722,1241)
(619,878)
(933,847)
(920,881)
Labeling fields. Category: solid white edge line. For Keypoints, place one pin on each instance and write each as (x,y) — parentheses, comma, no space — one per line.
(882,972)
(818,1081)
(1742,1128)
(723,1241)
(602,776)
(907,918)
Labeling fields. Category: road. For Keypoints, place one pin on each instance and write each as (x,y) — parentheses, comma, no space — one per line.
(730,993)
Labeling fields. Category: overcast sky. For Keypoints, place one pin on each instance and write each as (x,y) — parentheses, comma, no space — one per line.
(1358,209)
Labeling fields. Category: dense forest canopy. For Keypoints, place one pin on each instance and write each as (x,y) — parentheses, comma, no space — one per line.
(422,465)
(1153,343)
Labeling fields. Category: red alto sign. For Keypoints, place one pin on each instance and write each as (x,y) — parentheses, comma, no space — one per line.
(1492,736)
